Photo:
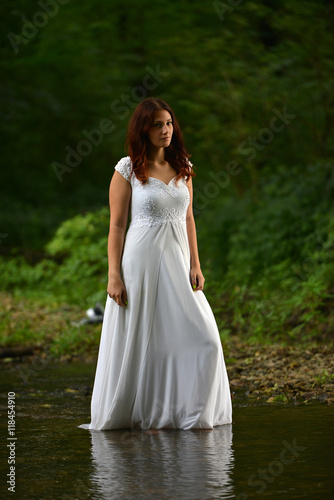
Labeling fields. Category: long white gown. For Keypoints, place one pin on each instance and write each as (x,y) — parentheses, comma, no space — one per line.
(160,361)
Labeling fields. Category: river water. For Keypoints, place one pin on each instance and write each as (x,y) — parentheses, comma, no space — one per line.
(276,451)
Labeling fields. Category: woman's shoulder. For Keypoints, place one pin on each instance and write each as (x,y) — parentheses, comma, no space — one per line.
(124,167)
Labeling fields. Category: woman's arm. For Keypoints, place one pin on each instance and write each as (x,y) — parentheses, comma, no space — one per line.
(119,201)
(196,276)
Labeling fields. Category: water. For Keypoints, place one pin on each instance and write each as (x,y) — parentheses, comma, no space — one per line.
(280,452)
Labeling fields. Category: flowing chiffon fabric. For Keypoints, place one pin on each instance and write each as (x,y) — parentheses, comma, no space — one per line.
(160,361)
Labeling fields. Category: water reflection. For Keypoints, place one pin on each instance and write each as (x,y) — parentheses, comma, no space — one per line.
(168,464)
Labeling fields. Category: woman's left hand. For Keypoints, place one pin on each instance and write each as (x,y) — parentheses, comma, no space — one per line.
(196,278)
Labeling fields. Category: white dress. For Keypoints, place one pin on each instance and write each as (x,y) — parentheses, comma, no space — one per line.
(160,361)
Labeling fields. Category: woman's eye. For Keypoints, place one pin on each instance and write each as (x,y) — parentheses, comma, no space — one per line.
(159,124)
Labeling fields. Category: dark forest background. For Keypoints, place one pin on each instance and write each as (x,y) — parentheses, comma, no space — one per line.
(251,83)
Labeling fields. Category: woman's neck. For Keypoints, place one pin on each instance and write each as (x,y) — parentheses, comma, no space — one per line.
(156,155)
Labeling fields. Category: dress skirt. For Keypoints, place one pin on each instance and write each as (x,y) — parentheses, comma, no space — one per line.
(160,361)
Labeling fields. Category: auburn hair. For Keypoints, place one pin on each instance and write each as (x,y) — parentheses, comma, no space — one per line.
(137,141)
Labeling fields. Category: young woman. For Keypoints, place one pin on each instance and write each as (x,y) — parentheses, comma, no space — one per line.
(160,362)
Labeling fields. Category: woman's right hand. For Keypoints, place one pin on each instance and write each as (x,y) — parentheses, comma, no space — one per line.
(116,290)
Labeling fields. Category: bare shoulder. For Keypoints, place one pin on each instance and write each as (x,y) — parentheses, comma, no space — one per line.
(119,185)
(190,183)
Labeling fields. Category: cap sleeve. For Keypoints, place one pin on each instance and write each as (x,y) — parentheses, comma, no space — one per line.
(124,167)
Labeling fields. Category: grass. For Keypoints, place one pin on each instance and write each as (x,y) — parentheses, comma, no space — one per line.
(45,324)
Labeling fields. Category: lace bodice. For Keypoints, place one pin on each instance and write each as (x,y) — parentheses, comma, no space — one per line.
(155,202)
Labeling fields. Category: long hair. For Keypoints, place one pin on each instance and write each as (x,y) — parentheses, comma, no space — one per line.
(137,141)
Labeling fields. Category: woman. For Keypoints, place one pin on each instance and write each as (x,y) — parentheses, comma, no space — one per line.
(160,362)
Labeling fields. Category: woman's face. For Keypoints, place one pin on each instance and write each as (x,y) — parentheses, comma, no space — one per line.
(160,134)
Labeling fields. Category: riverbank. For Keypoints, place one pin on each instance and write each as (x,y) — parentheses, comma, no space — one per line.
(279,373)
(33,334)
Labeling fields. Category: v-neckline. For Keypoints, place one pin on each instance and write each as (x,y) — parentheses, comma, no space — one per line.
(163,181)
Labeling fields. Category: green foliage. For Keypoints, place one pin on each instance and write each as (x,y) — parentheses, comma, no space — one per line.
(272,273)
(75,267)
(286,221)
(323,378)
(264,187)
(281,398)
(222,75)
(279,278)
(81,243)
